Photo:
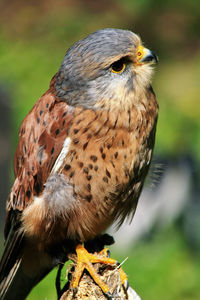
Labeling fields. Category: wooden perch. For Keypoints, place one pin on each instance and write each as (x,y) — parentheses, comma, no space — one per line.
(88,289)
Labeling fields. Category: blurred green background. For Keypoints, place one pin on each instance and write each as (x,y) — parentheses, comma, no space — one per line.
(34,36)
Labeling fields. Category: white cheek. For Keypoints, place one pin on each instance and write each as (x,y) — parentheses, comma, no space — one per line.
(60,159)
(143,76)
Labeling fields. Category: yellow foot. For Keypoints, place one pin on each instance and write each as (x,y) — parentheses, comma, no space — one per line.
(123,277)
(85,261)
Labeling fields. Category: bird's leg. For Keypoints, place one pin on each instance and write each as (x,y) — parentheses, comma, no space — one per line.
(85,261)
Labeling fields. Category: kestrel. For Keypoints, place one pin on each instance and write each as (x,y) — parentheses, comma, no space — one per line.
(83,154)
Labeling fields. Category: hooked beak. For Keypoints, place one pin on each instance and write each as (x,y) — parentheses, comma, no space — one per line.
(145,55)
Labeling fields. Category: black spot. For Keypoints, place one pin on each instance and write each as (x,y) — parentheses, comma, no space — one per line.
(71,174)
(28,173)
(85,130)
(57,131)
(76,141)
(37,185)
(112,164)
(88,198)
(52,150)
(89,177)
(101,149)
(80,164)
(129,116)
(64,114)
(86,170)
(76,130)
(105,179)
(127,173)
(73,152)
(90,166)
(41,112)
(28,194)
(109,146)
(47,105)
(93,158)
(89,136)
(44,123)
(38,120)
(103,155)
(122,142)
(108,173)
(89,187)
(115,123)
(85,145)
(79,121)
(116,154)
(117,178)
(96,168)
(125,156)
(64,121)
(67,167)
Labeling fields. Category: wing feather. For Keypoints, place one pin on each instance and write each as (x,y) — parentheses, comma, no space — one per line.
(42,135)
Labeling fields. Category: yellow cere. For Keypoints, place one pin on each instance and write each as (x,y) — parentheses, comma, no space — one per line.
(140,52)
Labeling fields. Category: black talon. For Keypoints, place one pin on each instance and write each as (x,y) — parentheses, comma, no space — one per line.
(108,253)
(109,295)
(74,290)
(126,285)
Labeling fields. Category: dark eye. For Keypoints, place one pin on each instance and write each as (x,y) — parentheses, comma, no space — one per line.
(118,66)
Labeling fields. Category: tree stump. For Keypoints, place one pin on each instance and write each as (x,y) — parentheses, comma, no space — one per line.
(89,290)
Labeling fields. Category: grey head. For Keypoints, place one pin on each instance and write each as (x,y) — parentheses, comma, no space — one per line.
(86,76)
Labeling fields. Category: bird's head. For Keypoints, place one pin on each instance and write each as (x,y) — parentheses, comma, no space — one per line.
(109,68)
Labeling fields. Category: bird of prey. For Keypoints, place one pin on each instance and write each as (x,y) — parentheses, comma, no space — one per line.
(83,154)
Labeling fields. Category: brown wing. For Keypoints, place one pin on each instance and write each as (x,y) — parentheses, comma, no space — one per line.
(42,134)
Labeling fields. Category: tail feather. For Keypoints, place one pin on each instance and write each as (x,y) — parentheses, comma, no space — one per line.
(15,281)
(17,284)
(13,246)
